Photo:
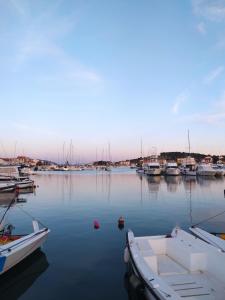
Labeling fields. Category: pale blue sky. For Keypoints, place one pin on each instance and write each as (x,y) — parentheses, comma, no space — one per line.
(111,71)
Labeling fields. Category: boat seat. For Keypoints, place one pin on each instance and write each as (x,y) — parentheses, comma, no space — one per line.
(167,266)
(145,248)
(148,254)
(186,255)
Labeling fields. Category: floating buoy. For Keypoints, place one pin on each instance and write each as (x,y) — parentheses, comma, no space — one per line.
(96,224)
(121,222)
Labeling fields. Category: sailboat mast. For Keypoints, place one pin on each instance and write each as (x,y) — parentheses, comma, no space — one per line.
(189,146)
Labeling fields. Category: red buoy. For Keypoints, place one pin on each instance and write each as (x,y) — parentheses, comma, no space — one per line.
(96,224)
(121,221)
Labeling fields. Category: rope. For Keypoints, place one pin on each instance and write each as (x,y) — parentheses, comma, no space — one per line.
(28,214)
(208,219)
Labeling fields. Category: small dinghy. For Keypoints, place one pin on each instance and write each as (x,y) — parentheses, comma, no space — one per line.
(177,266)
(216,240)
(7,187)
(14,248)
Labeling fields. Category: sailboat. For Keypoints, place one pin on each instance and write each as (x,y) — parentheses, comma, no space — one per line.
(140,169)
(188,167)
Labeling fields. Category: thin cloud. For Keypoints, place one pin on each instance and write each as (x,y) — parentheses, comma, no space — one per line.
(181,98)
(214,74)
(18,7)
(201,28)
(215,117)
(213,10)
(42,40)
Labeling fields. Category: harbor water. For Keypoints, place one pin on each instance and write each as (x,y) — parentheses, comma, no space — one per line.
(81,262)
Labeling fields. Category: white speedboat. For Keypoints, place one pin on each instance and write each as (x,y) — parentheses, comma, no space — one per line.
(7,186)
(172,169)
(177,266)
(205,170)
(140,170)
(153,169)
(219,170)
(14,248)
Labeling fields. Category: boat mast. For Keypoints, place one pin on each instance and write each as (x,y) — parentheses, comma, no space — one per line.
(189,146)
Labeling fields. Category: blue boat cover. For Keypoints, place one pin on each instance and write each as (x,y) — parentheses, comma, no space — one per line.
(2,262)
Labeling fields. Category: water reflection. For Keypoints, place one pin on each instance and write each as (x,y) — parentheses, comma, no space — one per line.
(153,184)
(15,282)
(172,183)
(133,286)
(7,198)
(68,204)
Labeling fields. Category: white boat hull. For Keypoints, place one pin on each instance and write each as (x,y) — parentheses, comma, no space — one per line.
(25,184)
(153,172)
(7,187)
(15,252)
(172,172)
(177,266)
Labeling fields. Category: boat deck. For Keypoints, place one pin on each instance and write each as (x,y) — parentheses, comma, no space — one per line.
(188,284)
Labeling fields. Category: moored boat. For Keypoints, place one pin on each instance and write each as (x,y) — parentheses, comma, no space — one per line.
(14,248)
(204,169)
(216,240)
(153,169)
(23,184)
(7,187)
(172,169)
(176,266)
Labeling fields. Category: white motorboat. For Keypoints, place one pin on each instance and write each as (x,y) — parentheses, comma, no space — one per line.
(214,240)
(219,170)
(7,186)
(14,248)
(205,170)
(23,184)
(172,169)
(176,266)
(153,169)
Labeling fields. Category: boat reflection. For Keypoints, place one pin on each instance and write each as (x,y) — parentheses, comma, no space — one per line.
(30,190)
(189,181)
(172,183)
(207,180)
(153,184)
(7,198)
(133,286)
(15,282)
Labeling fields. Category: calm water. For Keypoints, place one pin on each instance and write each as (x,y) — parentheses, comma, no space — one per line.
(79,262)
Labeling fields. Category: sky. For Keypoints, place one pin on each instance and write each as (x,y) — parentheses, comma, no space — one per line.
(111,72)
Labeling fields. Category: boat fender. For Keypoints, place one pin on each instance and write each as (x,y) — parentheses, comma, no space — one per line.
(126,255)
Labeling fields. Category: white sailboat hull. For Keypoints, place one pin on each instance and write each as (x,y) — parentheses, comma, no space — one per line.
(14,252)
